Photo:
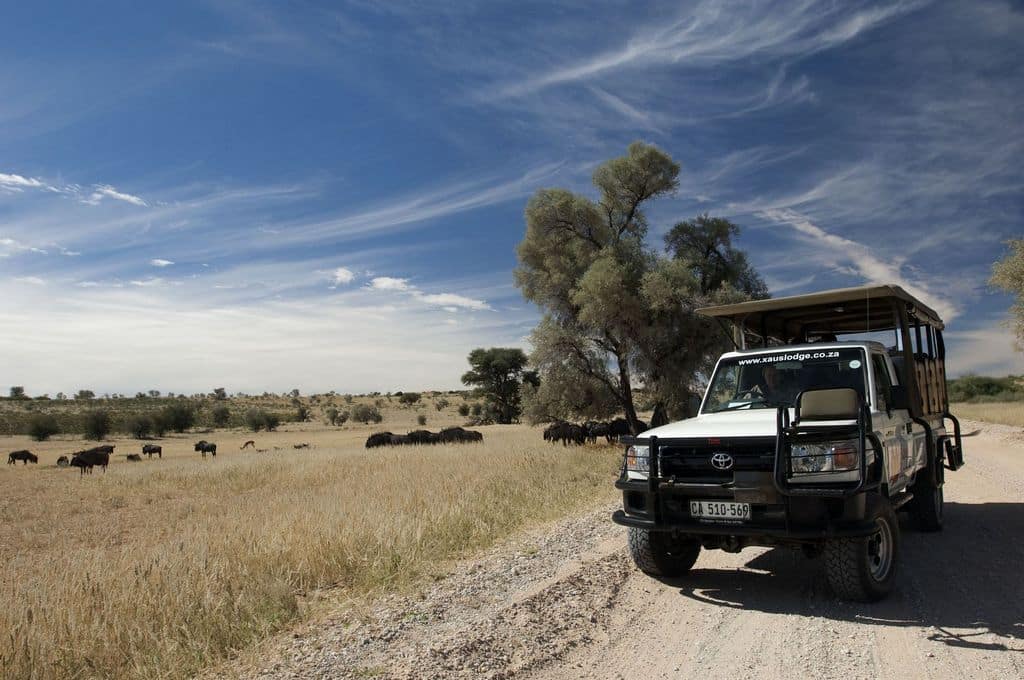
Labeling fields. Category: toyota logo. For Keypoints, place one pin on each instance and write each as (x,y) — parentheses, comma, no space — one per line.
(721,461)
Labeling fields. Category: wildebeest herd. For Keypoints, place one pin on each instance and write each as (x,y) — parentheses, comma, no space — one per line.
(588,432)
(449,435)
(99,456)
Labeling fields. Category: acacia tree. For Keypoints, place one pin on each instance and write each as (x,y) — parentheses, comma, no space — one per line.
(1008,274)
(615,311)
(497,373)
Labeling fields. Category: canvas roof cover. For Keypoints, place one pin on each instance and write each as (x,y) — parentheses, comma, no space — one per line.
(860,309)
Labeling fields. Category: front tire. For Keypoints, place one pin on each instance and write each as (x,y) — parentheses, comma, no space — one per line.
(863,569)
(661,553)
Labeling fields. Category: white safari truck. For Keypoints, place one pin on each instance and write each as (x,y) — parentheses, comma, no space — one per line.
(830,417)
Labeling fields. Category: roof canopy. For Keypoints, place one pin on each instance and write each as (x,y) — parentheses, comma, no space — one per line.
(861,309)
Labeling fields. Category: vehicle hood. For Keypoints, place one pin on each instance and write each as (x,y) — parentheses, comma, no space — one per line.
(744,423)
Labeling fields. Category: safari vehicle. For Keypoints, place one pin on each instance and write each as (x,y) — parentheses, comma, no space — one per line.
(830,417)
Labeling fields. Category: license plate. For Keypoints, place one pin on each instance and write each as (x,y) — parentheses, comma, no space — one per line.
(720,510)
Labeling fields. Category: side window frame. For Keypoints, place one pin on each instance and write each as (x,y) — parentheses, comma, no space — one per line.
(882,380)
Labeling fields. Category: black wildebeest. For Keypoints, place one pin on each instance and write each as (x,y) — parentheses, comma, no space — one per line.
(423,437)
(150,449)
(63,462)
(378,439)
(597,429)
(567,433)
(458,435)
(24,456)
(206,447)
(86,460)
(248,444)
(133,457)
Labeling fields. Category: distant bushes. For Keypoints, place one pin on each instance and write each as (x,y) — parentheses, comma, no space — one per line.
(96,424)
(364,413)
(336,417)
(139,426)
(42,426)
(409,398)
(421,419)
(257,419)
(179,416)
(220,415)
(980,388)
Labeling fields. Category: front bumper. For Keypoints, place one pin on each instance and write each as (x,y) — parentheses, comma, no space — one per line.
(774,518)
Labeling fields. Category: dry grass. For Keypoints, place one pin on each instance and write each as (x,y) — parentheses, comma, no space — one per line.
(1008,413)
(157,569)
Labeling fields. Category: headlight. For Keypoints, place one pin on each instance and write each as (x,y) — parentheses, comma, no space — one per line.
(827,457)
(638,459)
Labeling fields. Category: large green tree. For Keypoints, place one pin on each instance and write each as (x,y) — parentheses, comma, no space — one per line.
(1008,274)
(497,374)
(617,312)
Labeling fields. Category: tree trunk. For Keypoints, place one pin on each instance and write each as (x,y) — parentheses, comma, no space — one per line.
(627,396)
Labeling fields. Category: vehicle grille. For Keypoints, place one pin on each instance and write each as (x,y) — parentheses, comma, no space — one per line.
(693,462)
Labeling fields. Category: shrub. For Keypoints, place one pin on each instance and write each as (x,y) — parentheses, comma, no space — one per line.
(220,415)
(42,426)
(302,414)
(421,419)
(409,397)
(336,417)
(477,409)
(178,416)
(96,424)
(258,419)
(441,404)
(364,413)
(463,409)
(254,419)
(139,426)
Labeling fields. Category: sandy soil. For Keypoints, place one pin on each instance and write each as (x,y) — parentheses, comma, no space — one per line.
(564,601)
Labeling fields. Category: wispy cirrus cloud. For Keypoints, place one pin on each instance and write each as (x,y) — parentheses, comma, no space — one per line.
(104,191)
(160,262)
(714,33)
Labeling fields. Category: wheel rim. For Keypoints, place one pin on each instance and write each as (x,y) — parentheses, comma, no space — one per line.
(880,545)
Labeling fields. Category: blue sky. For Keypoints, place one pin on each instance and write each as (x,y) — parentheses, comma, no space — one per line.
(328,195)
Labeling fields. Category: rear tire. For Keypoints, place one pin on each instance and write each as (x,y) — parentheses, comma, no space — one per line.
(926,507)
(863,569)
(661,553)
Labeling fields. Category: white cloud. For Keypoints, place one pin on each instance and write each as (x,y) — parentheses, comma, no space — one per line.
(715,33)
(449,301)
(343,276)
(389,283)
(31,280)
(147,283)
(158,262)
(19,183)
(102,191)
(986,351)
(862,260)
(88,284)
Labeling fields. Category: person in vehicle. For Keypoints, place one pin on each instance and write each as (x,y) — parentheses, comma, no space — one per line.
(775,386)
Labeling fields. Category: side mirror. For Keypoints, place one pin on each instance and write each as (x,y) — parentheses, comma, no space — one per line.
(898,398)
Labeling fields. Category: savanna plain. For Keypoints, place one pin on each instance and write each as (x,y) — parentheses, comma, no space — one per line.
(160,568)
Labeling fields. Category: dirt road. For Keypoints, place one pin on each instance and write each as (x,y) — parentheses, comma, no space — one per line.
(566,602)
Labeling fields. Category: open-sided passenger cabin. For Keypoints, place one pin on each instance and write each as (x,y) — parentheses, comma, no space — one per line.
(888,314)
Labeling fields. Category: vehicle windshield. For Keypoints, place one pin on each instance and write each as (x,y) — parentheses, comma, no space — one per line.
(773,380)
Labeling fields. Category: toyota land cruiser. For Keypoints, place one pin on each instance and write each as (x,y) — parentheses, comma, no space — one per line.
(812,434)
